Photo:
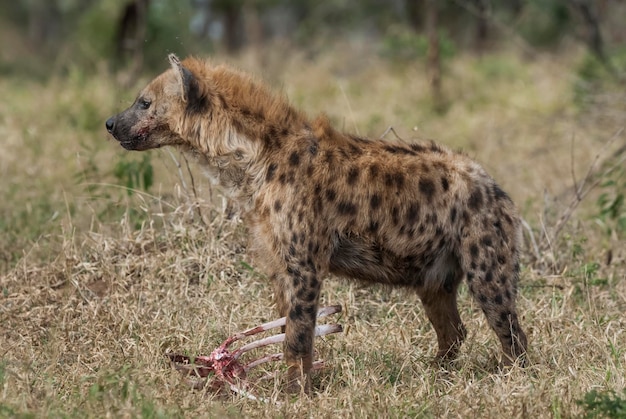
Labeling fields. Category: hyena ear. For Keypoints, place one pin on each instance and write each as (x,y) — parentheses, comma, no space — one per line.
(184,76)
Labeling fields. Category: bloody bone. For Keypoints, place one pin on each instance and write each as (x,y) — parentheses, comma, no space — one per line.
(225,365)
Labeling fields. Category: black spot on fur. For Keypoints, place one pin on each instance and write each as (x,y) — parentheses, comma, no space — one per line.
(331,194)
(504,316)
(499,193)
(329,157)
(353,175)
(489,276)
(431,218)
(453,214)
(359,139)
(373,227)
(347,208)
(277,205)
(486,240)
(394,216)
(418,148)
(444,183)
(436,148)
(355,150)
(303,339)
(470,276)
(295,313)
(427,188)
(374,170)
(295,273)
(394,149)
(474,251)
(294,158)
(270,136)
(375,201)
(412,213)
(476,199)
(345,154)
(396,179)
(271,171)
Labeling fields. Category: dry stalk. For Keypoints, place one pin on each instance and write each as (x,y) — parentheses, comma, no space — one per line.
(196,202)
(591,181)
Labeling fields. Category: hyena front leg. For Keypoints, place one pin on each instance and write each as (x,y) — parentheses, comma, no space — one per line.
(300,290)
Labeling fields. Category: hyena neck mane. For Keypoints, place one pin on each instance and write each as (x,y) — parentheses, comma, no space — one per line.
(227,106)
(232,123)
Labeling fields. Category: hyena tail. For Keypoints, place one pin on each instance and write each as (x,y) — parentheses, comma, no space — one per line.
(489,257)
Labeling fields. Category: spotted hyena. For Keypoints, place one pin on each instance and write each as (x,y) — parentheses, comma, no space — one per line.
(318,201)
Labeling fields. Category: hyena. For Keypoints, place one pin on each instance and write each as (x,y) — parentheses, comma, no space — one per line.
(318,201)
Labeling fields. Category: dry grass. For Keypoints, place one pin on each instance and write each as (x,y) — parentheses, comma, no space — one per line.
(93,294)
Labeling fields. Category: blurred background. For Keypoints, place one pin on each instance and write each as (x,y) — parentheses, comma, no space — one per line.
(43,35)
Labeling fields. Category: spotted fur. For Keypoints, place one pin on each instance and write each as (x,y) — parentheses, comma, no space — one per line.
(318,201)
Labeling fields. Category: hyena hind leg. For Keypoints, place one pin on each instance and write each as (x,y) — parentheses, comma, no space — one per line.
(494,289)
(442,311)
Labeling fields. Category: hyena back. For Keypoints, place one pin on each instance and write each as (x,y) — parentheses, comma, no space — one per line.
(318,201)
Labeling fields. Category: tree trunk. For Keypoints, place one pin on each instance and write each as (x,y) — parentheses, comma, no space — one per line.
(130,37)
(434,58)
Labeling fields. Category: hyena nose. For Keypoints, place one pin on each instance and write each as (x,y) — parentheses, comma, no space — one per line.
(110,124)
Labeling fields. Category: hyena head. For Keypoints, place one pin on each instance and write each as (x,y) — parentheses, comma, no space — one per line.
(154,119)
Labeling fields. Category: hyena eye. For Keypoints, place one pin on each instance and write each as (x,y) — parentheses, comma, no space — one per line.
(144,104)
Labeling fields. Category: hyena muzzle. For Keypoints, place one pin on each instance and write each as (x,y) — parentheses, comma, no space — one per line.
(318,201)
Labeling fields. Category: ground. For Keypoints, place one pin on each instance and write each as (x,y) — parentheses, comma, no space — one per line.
(98,283)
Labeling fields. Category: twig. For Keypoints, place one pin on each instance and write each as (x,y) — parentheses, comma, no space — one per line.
(345,96)
(390,129)
(572,168)
(581,192)
(193,189)
(532,238)
(179,167)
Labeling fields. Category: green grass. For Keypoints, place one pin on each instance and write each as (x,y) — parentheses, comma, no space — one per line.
(108,259)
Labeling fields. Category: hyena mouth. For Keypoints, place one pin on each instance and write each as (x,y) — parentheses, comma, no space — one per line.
(129,144)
